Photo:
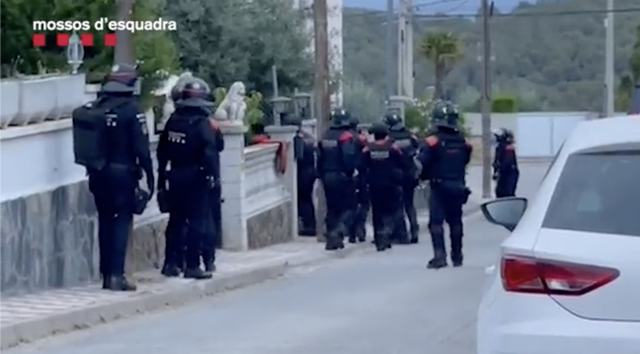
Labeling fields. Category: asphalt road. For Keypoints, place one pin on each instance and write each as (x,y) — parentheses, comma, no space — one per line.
(375,303)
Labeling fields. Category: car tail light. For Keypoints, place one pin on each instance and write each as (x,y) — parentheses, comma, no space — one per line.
(536,276)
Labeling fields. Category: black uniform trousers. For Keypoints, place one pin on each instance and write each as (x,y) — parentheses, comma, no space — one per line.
(408,192)
(339,195)
(213,240)
(506,184)
(363,204)
(445,204)
(386,208)
(306,209)
(113,190)
(190,206)
(174,251)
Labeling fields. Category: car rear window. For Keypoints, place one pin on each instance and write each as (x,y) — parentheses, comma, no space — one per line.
(598,192)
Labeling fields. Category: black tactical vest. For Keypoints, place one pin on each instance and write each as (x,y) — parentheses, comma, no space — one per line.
(185,147)
(404,140)
(332,151)
(451,155)
(383,170)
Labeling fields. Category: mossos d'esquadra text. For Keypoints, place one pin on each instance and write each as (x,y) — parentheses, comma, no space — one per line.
(105,24)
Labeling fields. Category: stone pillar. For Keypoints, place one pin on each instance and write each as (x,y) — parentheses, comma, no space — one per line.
(285,134)
(310,126)
(234,227)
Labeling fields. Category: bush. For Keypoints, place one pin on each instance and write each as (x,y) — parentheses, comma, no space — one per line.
(504,104)
(418,118)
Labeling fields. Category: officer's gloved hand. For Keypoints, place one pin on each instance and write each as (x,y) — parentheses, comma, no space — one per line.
(496,175)
(211,182)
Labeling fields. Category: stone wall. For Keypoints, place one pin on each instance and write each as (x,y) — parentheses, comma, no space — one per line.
(271,227)
(50,240)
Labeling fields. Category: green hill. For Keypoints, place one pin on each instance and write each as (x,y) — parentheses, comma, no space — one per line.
(553,62)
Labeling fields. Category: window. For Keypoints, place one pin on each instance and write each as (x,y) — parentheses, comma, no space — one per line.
(598,192)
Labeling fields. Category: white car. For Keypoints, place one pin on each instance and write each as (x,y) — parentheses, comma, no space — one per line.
(568,281)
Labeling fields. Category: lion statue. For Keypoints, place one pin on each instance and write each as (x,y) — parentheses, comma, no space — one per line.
(233,107)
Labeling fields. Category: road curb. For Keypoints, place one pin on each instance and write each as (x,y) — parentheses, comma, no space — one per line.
(28,331)
(175,296)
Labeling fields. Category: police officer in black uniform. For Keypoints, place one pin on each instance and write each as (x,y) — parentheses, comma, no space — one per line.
(307,174)
(360,201)
(175,232)
(337,158)
(111,141)
(384,168)
(444,159)
(188,144)
(505,164)
(409,146)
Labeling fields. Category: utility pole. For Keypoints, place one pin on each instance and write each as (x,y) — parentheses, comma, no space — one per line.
(323,96)
(486,99)
(409,48)
(405,48)
(609,60)
(402,46)
(389,51)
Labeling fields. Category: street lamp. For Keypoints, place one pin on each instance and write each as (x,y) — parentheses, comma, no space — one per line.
(302,102)
(280,106)
(75,52)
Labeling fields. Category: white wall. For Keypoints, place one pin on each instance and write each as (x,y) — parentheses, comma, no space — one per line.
(37,158)
(538,134)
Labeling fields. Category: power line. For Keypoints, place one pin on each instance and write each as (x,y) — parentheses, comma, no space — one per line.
(418,6)
(376,13)
(535,14)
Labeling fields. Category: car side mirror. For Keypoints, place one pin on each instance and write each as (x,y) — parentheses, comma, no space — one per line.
(505,212)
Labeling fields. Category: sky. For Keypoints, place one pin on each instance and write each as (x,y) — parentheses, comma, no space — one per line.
(447,6)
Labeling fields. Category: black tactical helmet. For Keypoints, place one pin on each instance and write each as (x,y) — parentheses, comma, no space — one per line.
(392,119)
(379,130)
(176,90)
(340,118)
(445,114)
(121,79)
(503,135)
(195,93)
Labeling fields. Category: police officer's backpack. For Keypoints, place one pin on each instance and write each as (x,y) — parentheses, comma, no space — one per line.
(89,133)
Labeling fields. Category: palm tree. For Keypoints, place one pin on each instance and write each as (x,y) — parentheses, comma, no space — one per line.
(443,49)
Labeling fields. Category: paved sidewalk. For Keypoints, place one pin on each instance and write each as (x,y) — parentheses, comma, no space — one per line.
(30,317)
(35,316)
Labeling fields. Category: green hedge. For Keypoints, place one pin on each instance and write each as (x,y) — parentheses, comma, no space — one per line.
(504,104)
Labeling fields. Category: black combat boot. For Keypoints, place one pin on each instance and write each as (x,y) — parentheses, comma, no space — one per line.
(361,234)
(197,273)
(456,245)
(457,260)
(170,270)
(210,267)
(120,283)
(415,232)
(352,239)
(106,281)
(438,261)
